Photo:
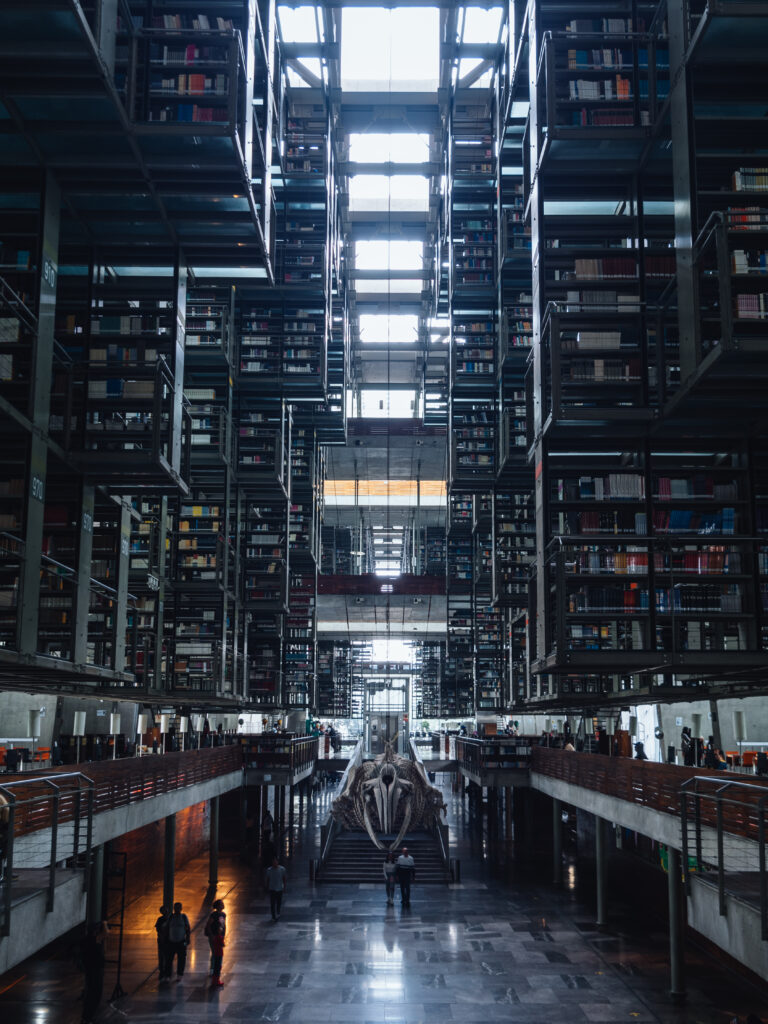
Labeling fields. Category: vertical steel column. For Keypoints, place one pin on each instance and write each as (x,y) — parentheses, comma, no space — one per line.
(213,858)
(39,413)
(96,887)
(557,842)
(169,862)
(83,586)
(155,681)
(600,871)
(121,604)
(683,177)
(177,419)
(676,948)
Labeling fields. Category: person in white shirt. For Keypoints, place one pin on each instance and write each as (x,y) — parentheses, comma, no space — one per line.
(406,872)
(276,886)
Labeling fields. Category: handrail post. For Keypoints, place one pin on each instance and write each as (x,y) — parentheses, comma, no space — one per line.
(11,798)
(89,834)
(684,833)
(54,844)
(763,880)
(720,846)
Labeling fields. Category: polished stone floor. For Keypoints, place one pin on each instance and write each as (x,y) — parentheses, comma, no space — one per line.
(495,948)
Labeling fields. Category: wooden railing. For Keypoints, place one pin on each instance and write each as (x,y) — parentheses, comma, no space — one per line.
(647,784)
(115,784)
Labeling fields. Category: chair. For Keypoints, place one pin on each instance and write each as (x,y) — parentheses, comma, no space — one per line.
(43,754)
(732,757)
(748,758)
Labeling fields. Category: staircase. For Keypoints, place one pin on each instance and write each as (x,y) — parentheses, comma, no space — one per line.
(354,858)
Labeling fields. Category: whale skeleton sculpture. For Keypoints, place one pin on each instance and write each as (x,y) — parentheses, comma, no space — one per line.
(388,795)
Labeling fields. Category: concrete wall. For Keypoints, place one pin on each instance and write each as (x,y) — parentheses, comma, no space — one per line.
(97,714)
(14,715)
(32,927)
(738,933)
(146,847)
(755,713)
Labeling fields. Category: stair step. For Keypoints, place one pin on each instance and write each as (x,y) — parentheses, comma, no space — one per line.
(354,859)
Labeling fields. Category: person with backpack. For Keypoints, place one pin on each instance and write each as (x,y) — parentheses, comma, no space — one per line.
(178,939)
(161,927)
(215,931)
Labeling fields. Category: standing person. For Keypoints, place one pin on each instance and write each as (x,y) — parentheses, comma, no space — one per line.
(686,745)
(215,931)
(276,887)
(390,871)
(161,927)
(92,956)
(406,872)
(178,940)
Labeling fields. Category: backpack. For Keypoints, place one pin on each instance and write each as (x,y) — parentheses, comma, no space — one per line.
(177,928)
(215,925)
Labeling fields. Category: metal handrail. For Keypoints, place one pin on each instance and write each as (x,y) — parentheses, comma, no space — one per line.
(54,788)
(692,788)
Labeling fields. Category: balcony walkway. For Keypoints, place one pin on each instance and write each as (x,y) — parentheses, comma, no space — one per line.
(502,946)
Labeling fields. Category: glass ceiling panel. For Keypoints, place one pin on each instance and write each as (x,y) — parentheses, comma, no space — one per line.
(481,26)
(375,147)
(382,286)
(401,193)
(297,24)
(393,49)
(378,328)
(389,255)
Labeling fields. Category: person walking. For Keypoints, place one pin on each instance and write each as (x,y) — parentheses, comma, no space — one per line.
(390,871)
(161,927)
(215,932)
(406,872)
(178,939)
(276,885)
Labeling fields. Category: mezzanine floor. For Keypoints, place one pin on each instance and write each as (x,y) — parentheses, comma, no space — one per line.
(498,947)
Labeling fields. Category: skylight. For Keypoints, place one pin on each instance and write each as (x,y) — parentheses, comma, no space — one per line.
(298,24)
(376,148)
(383,49)
(385,285)
(481,26)
(402,193)
(378,328)
(389,255)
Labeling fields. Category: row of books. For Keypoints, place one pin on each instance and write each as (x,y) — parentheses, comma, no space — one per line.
(750,179)
(604,89)
(613,58)
(188,112)
(712,561)
(600,371)
(189,54)
(686,521)
(749,261)
(190,85)
(752,306)
(198,22)
(605,26)
(614,486)
(697,486)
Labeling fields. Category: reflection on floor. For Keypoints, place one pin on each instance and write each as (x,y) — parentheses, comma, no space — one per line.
(493,948)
